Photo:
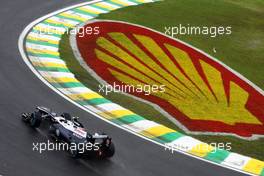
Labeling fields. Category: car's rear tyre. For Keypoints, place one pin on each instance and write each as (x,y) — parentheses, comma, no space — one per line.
(52,129)
(73,150)
(35,119)
(52,133)
(109,151)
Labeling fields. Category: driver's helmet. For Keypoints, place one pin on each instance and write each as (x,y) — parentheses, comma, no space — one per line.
(66,115)
(74,119)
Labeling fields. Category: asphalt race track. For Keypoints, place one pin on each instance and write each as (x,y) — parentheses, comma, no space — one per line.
(21,90)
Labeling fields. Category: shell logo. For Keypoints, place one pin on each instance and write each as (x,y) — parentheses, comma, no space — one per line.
(201,93)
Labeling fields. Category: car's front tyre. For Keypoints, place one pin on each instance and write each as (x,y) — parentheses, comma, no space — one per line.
(35,119)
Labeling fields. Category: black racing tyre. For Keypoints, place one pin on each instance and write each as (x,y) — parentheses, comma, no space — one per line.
(35,119)
(74,152)
(109,151)
(52,129)
(52,133)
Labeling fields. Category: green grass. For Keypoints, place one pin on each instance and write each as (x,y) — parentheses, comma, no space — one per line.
(242,50)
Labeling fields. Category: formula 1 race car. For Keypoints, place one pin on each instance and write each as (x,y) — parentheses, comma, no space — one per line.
(69,130)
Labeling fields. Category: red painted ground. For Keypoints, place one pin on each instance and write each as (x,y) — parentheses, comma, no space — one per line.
(255,102)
